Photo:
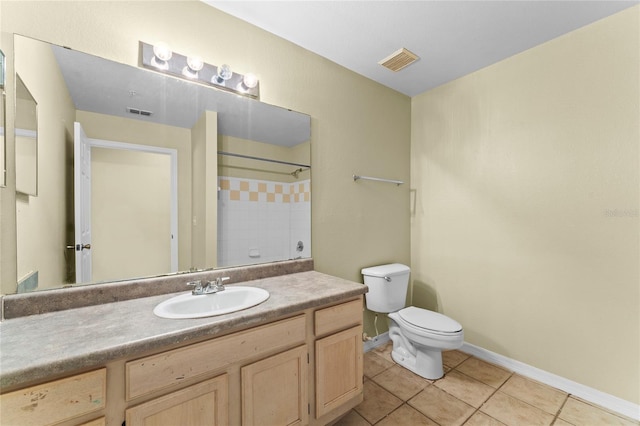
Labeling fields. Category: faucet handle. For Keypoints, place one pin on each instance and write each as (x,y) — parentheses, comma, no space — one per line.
(197,286)
(215,285)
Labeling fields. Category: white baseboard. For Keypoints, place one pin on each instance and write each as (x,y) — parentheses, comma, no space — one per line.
(379,340)
(595,396)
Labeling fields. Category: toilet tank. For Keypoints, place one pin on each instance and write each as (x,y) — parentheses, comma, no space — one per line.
(387,287)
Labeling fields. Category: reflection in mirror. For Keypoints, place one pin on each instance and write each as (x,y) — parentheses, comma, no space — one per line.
(3,141)
(264,205)
(148,136)
(26,133)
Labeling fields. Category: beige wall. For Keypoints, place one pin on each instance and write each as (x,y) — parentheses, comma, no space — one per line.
(526,222)
(358,126)
(41,220)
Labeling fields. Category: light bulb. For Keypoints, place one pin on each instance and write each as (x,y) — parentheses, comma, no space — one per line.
(224,73)
(162,54)
(250,81)
(194,64)
(162,51)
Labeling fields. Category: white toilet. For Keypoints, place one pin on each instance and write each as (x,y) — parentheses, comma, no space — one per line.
(418,335)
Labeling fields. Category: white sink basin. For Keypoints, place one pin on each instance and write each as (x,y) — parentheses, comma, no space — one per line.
(231,299)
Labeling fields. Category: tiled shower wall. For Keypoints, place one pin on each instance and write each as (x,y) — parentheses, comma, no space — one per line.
(262,221)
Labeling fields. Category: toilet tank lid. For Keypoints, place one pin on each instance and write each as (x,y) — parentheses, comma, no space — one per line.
(386,270)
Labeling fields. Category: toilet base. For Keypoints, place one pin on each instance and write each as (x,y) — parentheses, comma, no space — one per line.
(425,363)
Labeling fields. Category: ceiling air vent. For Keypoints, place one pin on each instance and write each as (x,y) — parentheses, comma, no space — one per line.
(399,59)
(137,111)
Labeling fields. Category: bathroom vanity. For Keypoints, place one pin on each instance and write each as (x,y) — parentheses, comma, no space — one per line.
(294,359)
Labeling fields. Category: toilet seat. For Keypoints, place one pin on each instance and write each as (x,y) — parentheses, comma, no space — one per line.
(425,321)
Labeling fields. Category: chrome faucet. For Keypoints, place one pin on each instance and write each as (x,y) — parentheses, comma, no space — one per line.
(210,287)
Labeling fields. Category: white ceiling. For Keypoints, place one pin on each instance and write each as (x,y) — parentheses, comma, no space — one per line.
(452,38)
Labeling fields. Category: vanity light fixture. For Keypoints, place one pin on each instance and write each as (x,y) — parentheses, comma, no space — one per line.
(159,57)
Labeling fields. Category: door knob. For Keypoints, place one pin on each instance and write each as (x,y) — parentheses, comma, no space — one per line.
(80,247)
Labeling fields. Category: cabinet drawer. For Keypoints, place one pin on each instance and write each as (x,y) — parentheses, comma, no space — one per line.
(338,317)
(205,403)
(55,401)
(156,372)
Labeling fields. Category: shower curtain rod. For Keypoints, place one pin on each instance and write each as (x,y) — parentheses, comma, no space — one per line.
(250,157)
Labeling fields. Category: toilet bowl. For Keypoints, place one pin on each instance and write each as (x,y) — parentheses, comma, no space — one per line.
(419,336)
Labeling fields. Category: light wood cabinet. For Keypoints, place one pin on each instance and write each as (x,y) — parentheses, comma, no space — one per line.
(203,404)
(338,369)
(274,390)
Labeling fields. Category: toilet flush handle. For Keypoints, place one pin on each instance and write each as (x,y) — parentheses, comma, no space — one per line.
(387,279)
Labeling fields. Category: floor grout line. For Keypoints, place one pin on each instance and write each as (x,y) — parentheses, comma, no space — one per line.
(557,416)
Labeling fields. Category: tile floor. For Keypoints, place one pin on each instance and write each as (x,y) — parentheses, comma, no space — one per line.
(472,392)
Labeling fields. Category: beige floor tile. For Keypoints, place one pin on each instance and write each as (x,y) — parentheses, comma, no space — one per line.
(374,364)
(441,407)
(540,396)
(352,419)
(406,416)
(377,403)
(481,419)
(578,412)
(453,358)
(401,382)
(513,412)
(489,374)
(385,351)
(466,388)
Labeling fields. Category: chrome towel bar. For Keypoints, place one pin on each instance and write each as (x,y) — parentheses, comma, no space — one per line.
(397,182)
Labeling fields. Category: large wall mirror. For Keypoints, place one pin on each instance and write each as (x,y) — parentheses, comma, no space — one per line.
(144,174)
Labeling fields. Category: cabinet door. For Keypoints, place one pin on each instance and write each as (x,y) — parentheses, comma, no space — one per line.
(274,390)
(205,403)
(338,369)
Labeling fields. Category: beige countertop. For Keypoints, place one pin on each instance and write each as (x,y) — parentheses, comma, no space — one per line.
(37,347)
